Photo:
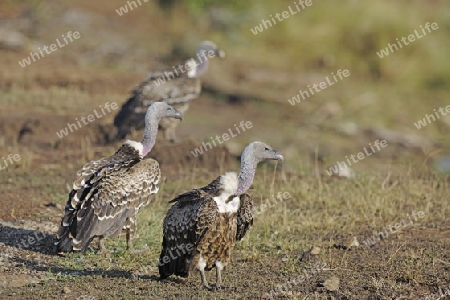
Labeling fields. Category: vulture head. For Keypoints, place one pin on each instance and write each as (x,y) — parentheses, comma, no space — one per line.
(253,154)
(161,110)
(204,51)
(258,151)
(210,46)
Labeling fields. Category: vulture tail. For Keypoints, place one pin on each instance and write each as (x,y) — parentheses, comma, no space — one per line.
(173,260)
(75,234)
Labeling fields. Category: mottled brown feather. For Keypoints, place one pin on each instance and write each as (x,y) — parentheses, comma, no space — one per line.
(244,216)
(105,196)
(194,220)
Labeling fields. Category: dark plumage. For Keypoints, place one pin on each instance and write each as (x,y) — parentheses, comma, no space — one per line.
(174,87)
(107,194)
(201,228)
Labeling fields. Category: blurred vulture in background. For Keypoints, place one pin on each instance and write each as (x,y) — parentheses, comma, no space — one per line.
(176,87)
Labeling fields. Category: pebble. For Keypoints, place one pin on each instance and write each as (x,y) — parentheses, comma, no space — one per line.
(354,243)
(315,250)
(331,284)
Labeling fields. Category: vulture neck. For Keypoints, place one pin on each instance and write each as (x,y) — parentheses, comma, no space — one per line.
(202,66)
(248,169)
(150,133)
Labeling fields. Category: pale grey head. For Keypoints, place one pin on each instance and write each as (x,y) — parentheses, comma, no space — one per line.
(259,151)
(205,51)
(253,154)
(210,46)
(155,113)
(161,110)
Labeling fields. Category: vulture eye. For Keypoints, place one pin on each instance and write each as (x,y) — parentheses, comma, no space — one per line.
(266,149)
(169,108)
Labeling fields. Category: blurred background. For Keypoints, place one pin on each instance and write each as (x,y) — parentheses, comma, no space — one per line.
(381,99)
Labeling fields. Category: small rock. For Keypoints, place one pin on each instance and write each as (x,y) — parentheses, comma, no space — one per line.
(11,39)
(346,172)
(331,284)
(66,290)
(309,255)
(354,243)
(348,128)
(315,250)
(442,164)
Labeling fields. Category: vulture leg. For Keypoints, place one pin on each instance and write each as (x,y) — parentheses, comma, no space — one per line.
(204,282)
(130,234)
(218,277)
(219,268)
(103,249)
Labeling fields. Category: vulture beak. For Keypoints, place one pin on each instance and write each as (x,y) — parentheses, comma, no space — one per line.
(277,155)
(220,53)
(177,115)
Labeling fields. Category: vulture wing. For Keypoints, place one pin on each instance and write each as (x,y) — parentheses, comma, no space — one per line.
(184,226)
(157,87)
(106,192)
(244,216)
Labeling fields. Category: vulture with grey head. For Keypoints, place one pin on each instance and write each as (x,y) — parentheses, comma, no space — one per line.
(176,86)
(201,228)
(108,193)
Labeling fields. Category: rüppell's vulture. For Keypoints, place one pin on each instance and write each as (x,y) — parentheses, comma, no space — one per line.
(108,193)
(201,228)
(176,86)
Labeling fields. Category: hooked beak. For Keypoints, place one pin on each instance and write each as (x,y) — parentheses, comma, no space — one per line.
(177,115)
(278,156)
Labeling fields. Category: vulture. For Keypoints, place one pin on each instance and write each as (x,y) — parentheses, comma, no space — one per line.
(176,86)
(107,194)
(201,228)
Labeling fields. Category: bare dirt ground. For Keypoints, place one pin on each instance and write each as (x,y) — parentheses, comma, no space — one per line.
(346,222)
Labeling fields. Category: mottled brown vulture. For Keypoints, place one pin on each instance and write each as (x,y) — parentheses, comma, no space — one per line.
(201,228)
(176,86)
(107,194)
